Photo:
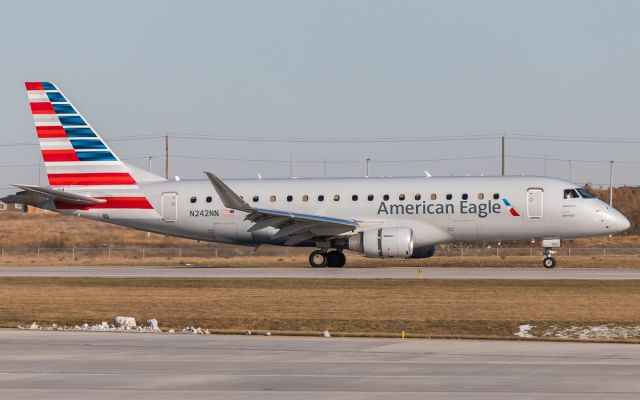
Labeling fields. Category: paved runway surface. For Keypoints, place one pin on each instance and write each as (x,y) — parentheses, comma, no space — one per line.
(151,366)
(396,272)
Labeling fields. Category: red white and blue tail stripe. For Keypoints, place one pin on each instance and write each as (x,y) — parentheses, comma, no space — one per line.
(75,156)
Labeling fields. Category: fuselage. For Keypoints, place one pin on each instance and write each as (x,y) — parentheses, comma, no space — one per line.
(437,209)
(378,217)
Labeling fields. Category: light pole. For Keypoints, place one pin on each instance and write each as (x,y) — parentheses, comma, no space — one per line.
(611,183)
(503,165)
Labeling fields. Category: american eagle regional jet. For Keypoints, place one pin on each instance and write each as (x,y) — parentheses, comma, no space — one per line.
(378,217)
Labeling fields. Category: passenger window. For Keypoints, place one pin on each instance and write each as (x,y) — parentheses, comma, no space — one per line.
(571,194)
(449,196)
(496,196)
(354,197)
(289,198)
(370,197)
(480,196)
(321,197)
(305,198)
(336,197)
(401,197)
(256,199)
(417,196)
(465,196)
(434,196)
(272,199)
(208,199)
(193,199)
(385,197)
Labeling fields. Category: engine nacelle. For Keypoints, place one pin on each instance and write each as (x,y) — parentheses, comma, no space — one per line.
(383,243)
(424,252)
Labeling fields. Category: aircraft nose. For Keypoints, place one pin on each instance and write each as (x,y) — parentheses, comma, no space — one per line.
(618,221)
(622,222)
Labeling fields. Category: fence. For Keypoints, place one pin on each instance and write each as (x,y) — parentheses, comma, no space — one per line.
(219,252)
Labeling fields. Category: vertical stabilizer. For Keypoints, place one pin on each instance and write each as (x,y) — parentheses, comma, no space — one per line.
(75,157)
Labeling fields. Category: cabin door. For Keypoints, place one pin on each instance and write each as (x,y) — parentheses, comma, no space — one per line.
(169,207)
(535,203)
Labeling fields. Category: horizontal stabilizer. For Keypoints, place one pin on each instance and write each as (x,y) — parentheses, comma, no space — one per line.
(52,194)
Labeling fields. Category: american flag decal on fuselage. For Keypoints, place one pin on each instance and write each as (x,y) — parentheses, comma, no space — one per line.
(75,157)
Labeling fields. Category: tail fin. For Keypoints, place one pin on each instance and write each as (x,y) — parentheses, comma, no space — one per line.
(73,153)
(75,157)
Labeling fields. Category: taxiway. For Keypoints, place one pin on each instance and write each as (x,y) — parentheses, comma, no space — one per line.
(76,365)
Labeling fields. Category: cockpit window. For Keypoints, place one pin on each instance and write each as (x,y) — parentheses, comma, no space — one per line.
(571,194)
(586,194)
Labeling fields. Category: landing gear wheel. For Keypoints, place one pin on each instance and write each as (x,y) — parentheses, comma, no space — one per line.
(549,262)
(336,259)
(318,259)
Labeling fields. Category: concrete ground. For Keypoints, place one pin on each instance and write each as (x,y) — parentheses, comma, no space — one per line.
(74,365)
(267,272)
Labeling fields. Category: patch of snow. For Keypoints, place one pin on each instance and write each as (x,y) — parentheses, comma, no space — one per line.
(125,322)
(594,332)
(326,333)
(525,331)
(172,331)
(153,324)
(267,333)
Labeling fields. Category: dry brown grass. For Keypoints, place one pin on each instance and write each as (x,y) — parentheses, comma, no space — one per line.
(486,308)
(55,230)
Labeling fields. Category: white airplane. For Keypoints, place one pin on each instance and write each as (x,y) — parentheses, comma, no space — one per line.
(379,217)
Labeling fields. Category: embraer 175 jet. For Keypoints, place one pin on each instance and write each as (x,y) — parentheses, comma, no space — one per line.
(379,217)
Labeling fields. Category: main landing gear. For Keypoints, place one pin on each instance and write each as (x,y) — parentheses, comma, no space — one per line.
(321,258)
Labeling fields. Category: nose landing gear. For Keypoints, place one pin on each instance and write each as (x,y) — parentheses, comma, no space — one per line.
(321,258)
(548,244)
(548,261)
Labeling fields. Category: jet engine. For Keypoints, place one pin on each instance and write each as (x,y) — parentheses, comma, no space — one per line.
(395,242)
(423,252)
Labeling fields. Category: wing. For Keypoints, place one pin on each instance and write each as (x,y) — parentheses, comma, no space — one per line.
(298,227)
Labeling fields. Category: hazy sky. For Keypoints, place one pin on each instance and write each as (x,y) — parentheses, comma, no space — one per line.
(333,69)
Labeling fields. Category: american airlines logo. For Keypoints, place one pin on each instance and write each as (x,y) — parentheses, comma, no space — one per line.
(482,210)
(511,209)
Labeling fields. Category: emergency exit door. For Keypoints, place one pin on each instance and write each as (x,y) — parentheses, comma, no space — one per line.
(169,207)
(535,203)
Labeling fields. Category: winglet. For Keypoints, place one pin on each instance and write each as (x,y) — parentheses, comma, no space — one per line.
(229,198)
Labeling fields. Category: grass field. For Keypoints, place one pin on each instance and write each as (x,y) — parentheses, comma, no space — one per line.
(55,230)
(49,230)
(436,308)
